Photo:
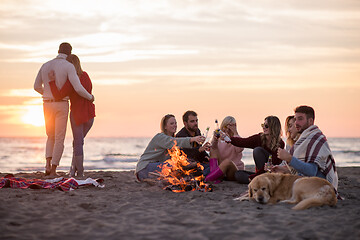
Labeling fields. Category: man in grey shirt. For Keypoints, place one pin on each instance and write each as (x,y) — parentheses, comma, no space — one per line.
(56,112)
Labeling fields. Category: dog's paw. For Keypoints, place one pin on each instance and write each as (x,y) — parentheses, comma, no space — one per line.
(244,197)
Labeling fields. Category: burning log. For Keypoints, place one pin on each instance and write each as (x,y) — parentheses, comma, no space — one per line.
(179,175)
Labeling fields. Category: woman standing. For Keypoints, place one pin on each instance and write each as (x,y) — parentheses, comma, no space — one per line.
(265,144)
(81,115)
(156,153)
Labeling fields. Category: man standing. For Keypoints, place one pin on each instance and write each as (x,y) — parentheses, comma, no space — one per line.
(311,154)
(191,129)
(56,112)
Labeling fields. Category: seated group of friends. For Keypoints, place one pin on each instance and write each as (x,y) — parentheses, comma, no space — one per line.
(305,153)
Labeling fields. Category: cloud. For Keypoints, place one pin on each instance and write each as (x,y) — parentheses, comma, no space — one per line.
(19,93)
(128,30)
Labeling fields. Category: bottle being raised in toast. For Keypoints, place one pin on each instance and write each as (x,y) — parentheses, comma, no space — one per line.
(269,164)
(217,129)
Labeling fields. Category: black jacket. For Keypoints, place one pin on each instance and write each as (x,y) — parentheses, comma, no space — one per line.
(193,153)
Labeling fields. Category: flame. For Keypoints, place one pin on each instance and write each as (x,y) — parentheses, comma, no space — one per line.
(175,172)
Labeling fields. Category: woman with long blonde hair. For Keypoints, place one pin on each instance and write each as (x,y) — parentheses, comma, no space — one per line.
(291,132)
(229,151)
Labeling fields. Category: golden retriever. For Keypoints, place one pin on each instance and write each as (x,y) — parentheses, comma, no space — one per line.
(305,191)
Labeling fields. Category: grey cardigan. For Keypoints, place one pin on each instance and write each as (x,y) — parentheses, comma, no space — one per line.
(156,151)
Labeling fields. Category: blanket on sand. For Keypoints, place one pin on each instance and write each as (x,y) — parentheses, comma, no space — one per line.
(61,183)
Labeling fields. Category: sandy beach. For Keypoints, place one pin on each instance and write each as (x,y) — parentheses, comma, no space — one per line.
(127,209)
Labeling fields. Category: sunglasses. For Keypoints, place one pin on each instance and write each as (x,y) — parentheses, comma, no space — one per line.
(264,125)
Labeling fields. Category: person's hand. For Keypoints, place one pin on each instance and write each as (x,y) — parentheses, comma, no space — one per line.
(205,147)
(284,155)
(214,142)
(51,75)
(198,139)
(215,137)
(93,98)
(279,169)
(224,137)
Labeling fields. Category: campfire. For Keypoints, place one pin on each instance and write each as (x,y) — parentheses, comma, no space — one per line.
(179,175)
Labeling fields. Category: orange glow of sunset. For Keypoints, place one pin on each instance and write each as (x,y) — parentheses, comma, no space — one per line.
(247,59)
(34,116)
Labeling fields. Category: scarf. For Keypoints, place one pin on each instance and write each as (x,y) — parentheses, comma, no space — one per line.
(312,147)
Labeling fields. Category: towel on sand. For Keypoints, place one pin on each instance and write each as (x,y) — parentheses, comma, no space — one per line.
(61,183)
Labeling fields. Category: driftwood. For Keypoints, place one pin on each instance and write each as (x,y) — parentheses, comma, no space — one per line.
(188,182)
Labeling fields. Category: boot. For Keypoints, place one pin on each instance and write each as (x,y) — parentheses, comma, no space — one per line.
(214,175)
(213,164)
(73,167)
(79,163)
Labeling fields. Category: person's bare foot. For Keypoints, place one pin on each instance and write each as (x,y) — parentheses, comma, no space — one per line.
(52,172)
(81,177)
(53,175)
(47,170)
(48,166)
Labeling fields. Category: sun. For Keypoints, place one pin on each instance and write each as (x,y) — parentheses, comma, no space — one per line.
(34,116)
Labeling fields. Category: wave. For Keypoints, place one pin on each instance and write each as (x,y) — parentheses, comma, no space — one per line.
(349,152)
(120,155)
(121,160)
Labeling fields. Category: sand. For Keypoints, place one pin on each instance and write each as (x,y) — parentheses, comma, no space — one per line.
(127,209)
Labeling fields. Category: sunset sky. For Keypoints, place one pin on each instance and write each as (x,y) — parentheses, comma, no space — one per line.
(248,59)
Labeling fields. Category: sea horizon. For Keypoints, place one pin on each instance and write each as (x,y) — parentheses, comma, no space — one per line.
(26,154)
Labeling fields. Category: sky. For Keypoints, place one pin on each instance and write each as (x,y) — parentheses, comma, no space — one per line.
(247,59)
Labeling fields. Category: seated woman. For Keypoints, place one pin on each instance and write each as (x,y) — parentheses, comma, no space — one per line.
(292,135)
(227,151)
(156,153)
(265,144)
(291,132)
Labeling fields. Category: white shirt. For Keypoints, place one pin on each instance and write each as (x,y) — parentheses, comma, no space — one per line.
(63,70)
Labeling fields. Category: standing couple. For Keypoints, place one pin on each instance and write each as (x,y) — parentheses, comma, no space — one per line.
(59,80)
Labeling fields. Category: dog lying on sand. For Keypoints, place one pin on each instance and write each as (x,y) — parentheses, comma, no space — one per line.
(305,192)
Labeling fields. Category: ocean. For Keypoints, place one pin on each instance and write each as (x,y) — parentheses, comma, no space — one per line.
(121,154)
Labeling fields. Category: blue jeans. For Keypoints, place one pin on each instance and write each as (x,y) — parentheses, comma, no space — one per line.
(79,133)
(151,167)
(206,170)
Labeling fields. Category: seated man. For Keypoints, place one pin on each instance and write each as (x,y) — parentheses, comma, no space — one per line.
(311,154)
(191,129)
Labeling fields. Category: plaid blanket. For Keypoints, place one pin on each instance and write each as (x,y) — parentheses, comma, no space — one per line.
(312,147)
(63,184)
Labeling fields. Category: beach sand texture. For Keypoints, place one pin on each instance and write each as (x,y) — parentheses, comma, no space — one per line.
(127,209)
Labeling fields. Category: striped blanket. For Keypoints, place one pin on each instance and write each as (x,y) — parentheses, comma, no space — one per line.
(312,147)
(63,184)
